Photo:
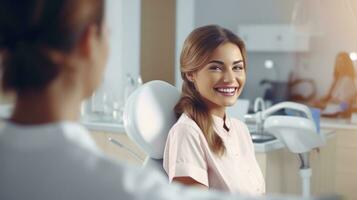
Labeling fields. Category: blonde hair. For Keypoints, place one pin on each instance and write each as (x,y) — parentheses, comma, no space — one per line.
(195,53)
(344,66)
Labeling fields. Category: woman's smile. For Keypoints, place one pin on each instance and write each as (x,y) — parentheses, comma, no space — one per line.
(226,90)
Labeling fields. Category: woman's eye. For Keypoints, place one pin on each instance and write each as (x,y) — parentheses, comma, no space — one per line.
(238,67)
(215,68)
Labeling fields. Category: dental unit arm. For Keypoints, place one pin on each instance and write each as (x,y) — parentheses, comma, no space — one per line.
(261,116)
(298,133)
(287,105)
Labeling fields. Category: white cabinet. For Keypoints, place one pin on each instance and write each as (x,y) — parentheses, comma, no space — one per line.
(273,38)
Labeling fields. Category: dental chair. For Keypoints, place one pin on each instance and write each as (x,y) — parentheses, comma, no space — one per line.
(298,133)
(148,117)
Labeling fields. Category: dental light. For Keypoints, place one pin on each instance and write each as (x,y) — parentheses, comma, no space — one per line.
(298,133)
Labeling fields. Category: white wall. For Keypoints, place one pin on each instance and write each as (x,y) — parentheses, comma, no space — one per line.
(185,10)
(123,19)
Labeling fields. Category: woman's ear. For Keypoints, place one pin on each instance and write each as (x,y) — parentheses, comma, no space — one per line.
(190,76)
(89,41)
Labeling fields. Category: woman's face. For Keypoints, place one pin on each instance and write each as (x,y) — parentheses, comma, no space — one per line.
(220,82)
(99,59)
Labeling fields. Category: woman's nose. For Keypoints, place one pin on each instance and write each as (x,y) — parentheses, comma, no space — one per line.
(228,76)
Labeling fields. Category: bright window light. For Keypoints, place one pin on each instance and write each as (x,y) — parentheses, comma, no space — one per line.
(353,56)
(269,64)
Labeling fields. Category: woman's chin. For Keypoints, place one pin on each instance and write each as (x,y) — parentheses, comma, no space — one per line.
(229,102)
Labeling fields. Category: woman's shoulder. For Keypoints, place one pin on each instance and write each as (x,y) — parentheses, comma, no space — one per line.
(186,126)
(240,126)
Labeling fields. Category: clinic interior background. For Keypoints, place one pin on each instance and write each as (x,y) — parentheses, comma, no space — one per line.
(146,39)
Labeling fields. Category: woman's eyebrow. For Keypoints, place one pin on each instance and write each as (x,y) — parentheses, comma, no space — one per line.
(216,61)
(238,61)
(222,63)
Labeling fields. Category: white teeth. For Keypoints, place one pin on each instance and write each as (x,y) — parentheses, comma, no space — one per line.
(226,90)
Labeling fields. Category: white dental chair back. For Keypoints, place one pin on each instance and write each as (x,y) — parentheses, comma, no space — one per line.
(148,118)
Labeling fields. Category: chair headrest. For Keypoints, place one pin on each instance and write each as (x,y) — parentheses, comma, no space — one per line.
(149,116)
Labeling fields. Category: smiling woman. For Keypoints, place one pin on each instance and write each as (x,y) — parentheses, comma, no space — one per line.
(206,147)
(222,77)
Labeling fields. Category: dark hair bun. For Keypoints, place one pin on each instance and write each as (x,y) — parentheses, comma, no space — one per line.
(29,67)
(31,29)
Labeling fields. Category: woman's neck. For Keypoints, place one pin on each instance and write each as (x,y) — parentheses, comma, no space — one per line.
(215,109)
(46,107)
(219,112)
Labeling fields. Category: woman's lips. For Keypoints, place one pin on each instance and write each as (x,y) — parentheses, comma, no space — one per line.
(226,91)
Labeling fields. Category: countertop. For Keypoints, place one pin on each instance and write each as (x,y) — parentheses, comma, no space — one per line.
(259,147)
(326,123)
(330,124)
(105,126)
(337,123)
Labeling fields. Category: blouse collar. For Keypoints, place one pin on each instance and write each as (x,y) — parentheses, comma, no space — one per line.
(221,122)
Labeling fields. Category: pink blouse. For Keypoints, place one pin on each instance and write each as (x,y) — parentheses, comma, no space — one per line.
(187,154)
